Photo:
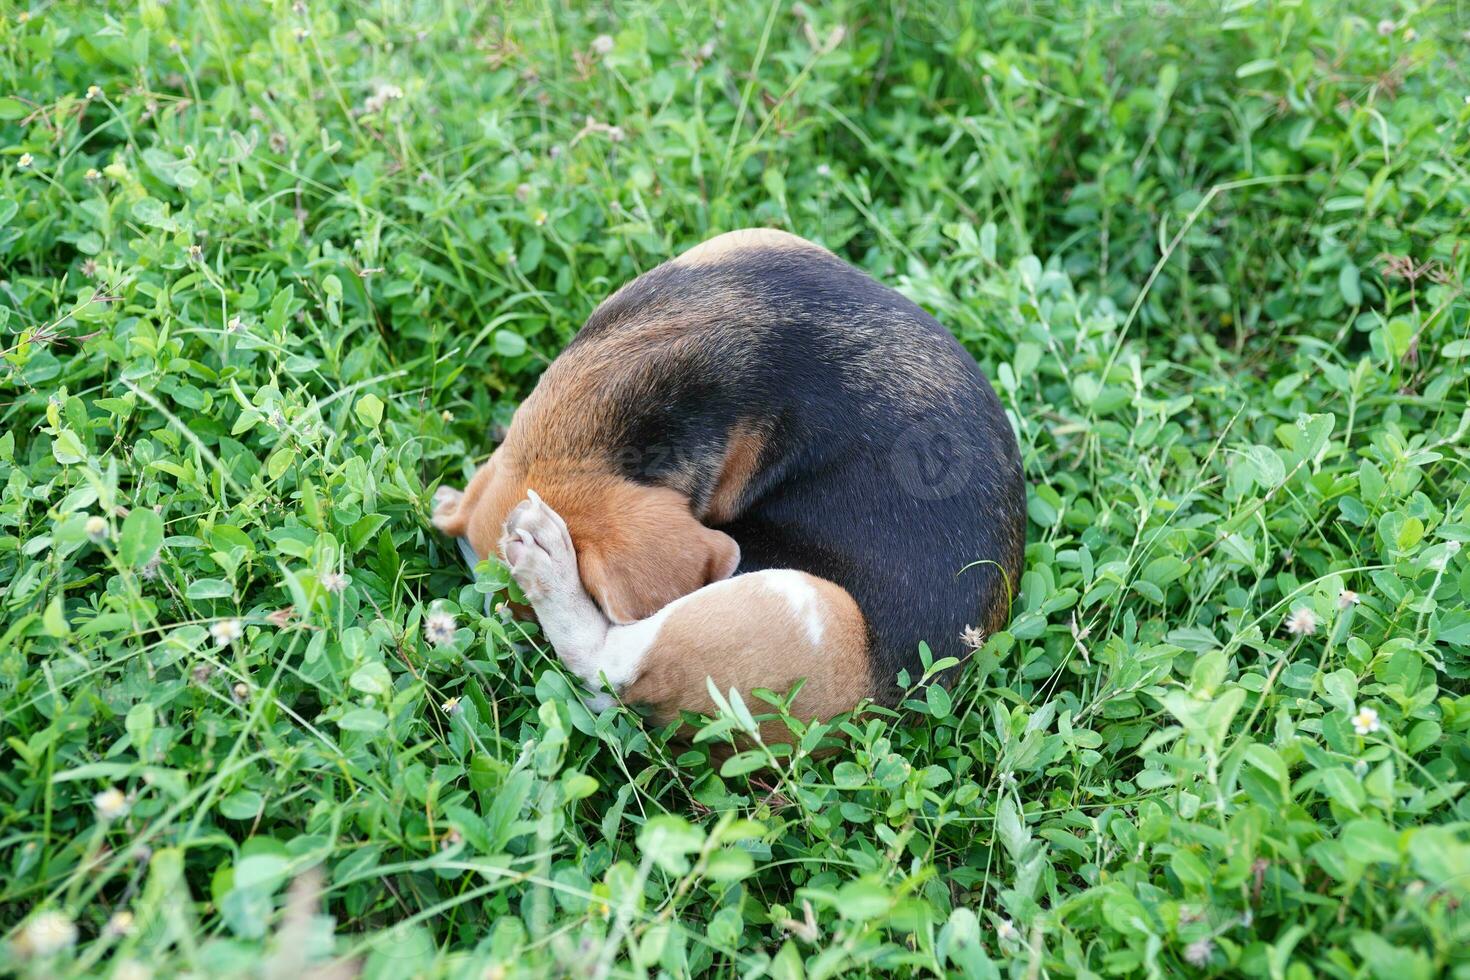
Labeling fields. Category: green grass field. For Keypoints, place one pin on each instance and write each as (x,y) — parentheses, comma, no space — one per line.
(270,272)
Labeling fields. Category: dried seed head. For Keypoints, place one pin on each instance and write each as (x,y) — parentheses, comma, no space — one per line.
(1302,621)
(439,628)
(1198,953)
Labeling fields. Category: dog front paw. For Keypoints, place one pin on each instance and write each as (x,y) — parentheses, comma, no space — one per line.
(538,550)
(446,504)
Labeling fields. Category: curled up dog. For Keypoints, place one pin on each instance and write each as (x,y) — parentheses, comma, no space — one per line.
(754,464)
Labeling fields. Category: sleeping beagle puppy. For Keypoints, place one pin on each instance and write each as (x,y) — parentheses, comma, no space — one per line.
(758,465)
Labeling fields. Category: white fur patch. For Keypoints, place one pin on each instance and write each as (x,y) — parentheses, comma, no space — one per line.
(800,595)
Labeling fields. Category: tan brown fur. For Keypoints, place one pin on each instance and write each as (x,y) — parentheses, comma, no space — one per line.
(740,465)
(640,548)
(722,247)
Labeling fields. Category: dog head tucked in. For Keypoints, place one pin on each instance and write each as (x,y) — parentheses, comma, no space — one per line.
(638,547)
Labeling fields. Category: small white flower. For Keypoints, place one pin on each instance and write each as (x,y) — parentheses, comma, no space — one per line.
(277,419)
(49,933)
(334,582)
(149,571)
(94,92)
(446,415)
(1366,722)
(1347,598)
(1302,621)
(97,528)
(241,691)
(706,50)
(227,631)
(972,637)
(451,840)
(196,253)
(1198,953)
(110,803)
(823,170)
(1410,34)
(25,160)
(1007,931)
(382,95)
(602,43)
(1386,27)
(235,324)
(119,923)
(1360,768)
(451,707)
(93,175)
(439,628)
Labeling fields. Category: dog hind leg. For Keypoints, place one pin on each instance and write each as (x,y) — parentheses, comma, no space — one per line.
(768,629)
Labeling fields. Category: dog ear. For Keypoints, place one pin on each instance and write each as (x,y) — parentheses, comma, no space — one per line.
(632,580)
